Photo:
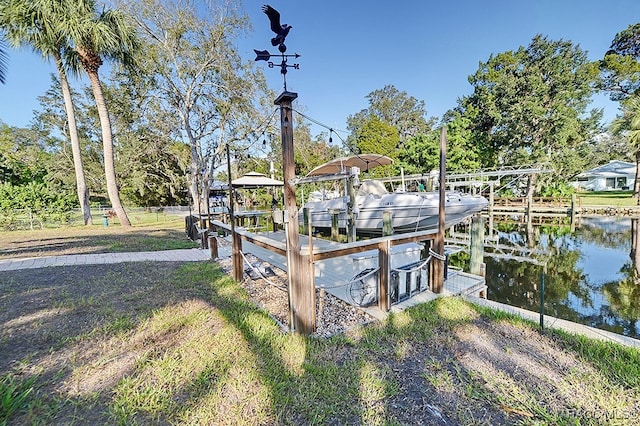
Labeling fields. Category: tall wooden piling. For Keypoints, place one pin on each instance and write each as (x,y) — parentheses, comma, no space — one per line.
(437,264)
(236,242)
(384,263)
(574,208)
(302,293)
(351,215)
(490,208)
(387,224)
(335,223)
(476,251)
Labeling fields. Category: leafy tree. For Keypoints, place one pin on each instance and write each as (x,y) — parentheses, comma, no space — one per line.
(628,125)
(606,146)
(153,171)
(392,107)
(51,120)
(310,153)
(197,74)
(23,156)
(528,107)
(94,35)
(152,165)
(420,154)
(620,67)
(29,23)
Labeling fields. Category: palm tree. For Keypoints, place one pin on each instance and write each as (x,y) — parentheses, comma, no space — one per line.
(93,36)
(24,24)
(629,125)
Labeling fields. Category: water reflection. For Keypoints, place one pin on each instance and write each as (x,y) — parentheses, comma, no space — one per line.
(593,274)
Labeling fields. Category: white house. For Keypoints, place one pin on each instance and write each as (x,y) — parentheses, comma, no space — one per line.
(616,175)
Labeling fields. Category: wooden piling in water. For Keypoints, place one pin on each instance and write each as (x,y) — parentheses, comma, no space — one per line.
(437,264)
(476,250)
(335,230)
(387,223)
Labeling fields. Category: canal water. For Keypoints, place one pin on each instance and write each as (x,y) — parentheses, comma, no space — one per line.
(591,275)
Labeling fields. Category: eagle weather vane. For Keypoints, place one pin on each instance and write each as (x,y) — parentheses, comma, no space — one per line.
(281,31)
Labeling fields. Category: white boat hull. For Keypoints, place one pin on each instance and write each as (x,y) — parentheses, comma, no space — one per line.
(410,212)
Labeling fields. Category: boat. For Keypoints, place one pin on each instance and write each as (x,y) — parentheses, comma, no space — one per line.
(410,211)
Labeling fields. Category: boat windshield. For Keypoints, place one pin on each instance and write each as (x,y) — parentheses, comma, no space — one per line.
(373,187)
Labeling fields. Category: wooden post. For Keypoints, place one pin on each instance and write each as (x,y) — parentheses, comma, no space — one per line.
(492,200)
(437,269)
(529,210)
(573,212)
(236,242)
(213,246)
(335,231)
(351,216)
(305,220)
(384,251)
(387,223)
(477,245)
(302,293)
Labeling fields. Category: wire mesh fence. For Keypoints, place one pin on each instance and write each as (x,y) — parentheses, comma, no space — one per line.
(27,219)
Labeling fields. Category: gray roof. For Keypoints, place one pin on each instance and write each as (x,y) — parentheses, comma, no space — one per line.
(612,169)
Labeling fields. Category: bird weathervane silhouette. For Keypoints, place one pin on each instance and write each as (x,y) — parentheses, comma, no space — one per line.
(281,31)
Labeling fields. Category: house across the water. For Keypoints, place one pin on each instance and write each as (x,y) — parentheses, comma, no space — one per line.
(616,175)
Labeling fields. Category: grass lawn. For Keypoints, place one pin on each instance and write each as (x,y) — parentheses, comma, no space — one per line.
(171,343)
(607,198)
(166,235)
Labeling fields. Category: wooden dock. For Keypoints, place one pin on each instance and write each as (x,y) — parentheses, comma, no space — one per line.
(336,275)
(555,207)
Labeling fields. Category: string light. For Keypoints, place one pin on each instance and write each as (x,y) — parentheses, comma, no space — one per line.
(331,130)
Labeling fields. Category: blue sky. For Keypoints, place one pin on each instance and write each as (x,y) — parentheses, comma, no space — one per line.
(351,47)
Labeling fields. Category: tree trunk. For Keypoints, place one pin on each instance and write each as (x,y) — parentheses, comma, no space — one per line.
(107,144)
(81,185)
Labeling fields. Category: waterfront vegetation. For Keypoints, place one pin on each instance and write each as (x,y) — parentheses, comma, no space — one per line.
(165,343)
